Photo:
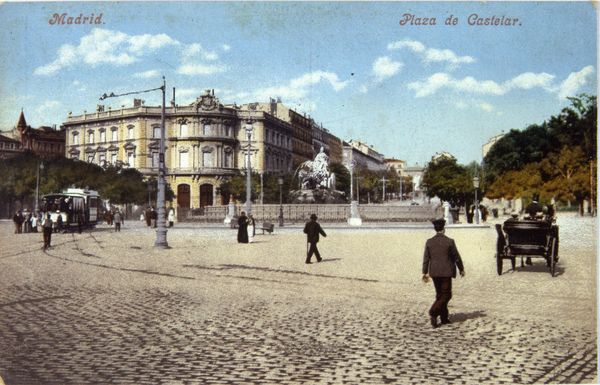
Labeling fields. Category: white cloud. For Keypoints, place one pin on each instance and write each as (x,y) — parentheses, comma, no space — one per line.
(571,85)
(147,74)
(485,106)
(474,104)
(200,69)
(226,47)
(431,55)
(47,106)
(384,67)
(469,84)
(103,46)
(299,87)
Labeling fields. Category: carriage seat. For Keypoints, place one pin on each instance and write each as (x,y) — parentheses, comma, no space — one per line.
(527,237)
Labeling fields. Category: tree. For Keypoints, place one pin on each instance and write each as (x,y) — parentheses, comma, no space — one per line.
(447,180)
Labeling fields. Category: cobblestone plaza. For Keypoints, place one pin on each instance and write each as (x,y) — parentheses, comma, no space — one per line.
(108,308)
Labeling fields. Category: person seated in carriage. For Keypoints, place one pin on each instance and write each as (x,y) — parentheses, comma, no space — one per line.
(534,210)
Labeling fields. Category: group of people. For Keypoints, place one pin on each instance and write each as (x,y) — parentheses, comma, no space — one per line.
(114,217)
(246,228)
(150,215)
(27,222)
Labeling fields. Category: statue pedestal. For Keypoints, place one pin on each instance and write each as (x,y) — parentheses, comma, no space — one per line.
(354,219)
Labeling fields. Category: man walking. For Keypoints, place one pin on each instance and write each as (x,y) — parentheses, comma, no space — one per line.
(440,260)
(47,228)
(118,219)
(312,231)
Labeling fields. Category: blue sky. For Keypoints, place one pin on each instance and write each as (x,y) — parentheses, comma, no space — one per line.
(408,90)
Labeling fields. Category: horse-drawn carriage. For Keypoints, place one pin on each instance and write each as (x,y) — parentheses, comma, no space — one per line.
(527,238)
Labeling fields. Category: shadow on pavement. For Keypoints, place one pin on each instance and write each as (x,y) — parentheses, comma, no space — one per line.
(330,260)
(462,317)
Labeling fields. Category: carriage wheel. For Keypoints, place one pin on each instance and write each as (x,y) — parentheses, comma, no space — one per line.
(499,263)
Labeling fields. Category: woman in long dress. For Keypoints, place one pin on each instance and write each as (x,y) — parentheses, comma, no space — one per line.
(242,236)
(251,228)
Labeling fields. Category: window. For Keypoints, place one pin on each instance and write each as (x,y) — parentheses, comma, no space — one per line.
(228,158)
(155,159)
(130,132)
(207,159)
(183,129)
(156,131)
(102,159)
(131,159)
(207,129)
(113,158)
(227,131)
(90,137)
(90,158)
(102,136)
(184,159)
(113,135)
(76,138)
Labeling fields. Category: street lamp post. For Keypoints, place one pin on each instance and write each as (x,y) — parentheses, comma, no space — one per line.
(280,182)
(261,188)
(354,219)
(37,186)
(476,211)
(248,204)
(161,231)
(401,192)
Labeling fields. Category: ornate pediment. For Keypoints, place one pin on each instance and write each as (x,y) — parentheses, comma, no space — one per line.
(207,102)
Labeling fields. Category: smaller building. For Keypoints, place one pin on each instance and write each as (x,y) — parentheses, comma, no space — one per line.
(362,155)
(416,172)
(43,141)
(396,164)
(9,147)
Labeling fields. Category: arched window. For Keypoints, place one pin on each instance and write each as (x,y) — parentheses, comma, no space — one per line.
(113,134)
(130,132)
(102,135)
(75,138)
(90,136)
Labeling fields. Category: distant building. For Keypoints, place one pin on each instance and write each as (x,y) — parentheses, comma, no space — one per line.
(362,155)
(416,173)
(9,147)
(397,164)
(490,143)
(43,141)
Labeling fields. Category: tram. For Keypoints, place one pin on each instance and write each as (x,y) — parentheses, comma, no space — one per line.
(76,206)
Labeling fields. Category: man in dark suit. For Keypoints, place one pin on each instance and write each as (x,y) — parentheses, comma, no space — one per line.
(312,231)
(534,209)
(440,260)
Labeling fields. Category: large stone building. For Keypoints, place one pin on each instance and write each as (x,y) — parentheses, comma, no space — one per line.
(206,142)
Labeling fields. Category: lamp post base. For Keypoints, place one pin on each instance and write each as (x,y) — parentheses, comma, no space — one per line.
(161,239)
(354,219)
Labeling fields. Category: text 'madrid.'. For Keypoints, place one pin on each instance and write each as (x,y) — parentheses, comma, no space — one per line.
(66,19)
(474,19)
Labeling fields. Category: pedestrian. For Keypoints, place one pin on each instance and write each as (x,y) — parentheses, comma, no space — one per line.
(154,216)
(47,230)
(148,216)
(59,222)
(118,219)
(440,259)
(534,210)
(242,235)
(26,221)
(34,223)
(171,216)
(251,228)
(18,221)
(312,229)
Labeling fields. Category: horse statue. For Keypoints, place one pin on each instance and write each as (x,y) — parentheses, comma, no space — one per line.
(315,173)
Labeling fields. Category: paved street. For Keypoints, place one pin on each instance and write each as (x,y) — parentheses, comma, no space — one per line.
(108,308)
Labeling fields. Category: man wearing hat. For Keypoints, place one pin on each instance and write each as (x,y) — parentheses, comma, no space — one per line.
(312,231)
(440,260)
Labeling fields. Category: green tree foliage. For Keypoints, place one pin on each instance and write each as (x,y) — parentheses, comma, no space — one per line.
(552,159)
(18,177)
(448,180)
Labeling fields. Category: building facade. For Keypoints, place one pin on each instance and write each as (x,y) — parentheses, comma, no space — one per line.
(206,144)
(9,147)
(363,156)
(44,141)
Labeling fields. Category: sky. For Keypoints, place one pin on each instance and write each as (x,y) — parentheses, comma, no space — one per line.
(392,74)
